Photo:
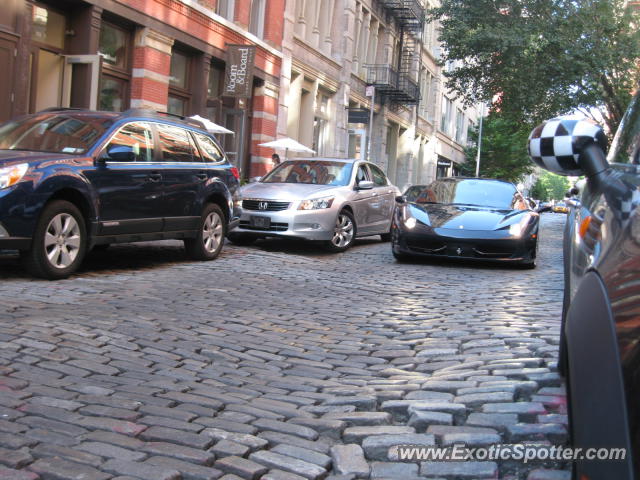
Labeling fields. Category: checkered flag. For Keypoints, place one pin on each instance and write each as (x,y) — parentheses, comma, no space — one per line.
(556,144)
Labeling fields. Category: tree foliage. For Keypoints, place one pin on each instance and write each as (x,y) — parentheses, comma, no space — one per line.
(550,186)
(535,59)
(503,152)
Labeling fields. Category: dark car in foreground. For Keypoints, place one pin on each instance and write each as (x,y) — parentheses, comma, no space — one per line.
(600,334)
(465,218)
(71,180)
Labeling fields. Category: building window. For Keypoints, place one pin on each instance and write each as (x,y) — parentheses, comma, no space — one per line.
(321,125)
(445,120)
(226,8)
(115,77)
(48,27)
(459,135)
(179,91)
(256,24)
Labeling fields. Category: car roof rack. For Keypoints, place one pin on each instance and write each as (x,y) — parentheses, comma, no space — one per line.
(159,114)
(59,109)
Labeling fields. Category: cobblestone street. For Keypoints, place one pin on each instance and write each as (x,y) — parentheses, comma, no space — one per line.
(278,362)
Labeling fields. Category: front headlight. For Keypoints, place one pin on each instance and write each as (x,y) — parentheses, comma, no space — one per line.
(517,229)
(410,223)
(12,175)
(316,203)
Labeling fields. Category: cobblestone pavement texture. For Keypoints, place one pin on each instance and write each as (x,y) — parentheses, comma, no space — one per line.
(277,362)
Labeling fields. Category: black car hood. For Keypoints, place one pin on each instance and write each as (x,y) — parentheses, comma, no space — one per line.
(466,217)
(14,157)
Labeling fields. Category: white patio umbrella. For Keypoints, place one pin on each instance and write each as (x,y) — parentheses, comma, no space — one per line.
(210,126)
(286,144)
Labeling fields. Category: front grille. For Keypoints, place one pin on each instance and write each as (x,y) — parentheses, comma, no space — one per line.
(271,205)
(275,227)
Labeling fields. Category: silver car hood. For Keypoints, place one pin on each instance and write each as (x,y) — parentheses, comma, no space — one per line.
(287,191)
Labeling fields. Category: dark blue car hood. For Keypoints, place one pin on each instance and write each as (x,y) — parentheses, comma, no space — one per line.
(13,157)
(465,217)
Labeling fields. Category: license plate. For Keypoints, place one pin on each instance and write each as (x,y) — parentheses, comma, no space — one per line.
(259,222)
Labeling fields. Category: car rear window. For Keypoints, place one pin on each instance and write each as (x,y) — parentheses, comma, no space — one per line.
(69,133)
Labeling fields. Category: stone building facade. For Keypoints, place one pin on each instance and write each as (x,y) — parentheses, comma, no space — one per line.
(314,62)
(333,50)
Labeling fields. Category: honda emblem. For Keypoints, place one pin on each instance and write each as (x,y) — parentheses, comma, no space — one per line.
(263,205)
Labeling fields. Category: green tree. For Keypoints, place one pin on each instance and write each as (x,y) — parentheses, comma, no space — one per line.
(503,153)
(534,59)
(550,186)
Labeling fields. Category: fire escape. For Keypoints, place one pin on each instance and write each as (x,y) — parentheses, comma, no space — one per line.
(398,82)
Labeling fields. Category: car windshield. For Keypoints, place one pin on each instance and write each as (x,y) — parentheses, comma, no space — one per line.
(54,133)
(483,193)
(316,172)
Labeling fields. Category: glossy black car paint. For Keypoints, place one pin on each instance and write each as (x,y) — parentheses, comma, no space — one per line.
(121,202)
(600,335)
(469,232)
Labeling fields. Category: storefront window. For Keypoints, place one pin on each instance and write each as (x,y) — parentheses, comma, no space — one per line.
(113,46)
(113,92)
(48,27)
(178,76)
(115,78)
(179,83)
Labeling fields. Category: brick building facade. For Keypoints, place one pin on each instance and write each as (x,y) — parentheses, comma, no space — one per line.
(167,55)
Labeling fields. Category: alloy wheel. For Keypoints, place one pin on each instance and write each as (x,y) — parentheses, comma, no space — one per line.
(62,240)
(212,232)
(343,233)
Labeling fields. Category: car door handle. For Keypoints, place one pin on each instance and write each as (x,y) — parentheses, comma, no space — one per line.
(155,177)
(202,176)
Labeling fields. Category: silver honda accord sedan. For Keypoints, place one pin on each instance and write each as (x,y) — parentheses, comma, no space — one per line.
(323,199)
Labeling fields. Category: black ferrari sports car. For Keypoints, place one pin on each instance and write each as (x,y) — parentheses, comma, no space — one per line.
(468,218)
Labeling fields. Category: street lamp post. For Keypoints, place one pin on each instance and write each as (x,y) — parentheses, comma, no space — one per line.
(479,141)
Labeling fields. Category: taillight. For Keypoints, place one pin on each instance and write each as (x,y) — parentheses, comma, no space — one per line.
(235,173)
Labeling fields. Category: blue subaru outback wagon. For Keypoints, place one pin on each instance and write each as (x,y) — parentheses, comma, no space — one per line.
(71,180)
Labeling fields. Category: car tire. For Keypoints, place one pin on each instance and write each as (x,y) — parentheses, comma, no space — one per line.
(210,237)
(344,232)
(241,239)
(59,242)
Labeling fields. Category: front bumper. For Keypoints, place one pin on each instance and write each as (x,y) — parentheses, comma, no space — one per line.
(306,224)
(497,246)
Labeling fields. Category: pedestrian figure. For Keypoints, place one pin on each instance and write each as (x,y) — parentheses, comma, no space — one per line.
(275,158)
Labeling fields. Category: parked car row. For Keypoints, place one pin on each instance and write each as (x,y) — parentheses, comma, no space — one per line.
(73,180)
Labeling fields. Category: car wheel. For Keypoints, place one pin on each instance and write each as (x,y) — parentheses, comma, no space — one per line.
(59,242)
(240,239)
(211,232)
(344,232)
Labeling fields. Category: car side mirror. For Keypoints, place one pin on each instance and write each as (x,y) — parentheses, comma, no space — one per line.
(365,185)
(121,153)
(401,199)
(569,147)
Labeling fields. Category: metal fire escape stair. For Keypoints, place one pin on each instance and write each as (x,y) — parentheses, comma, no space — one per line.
(399,84)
